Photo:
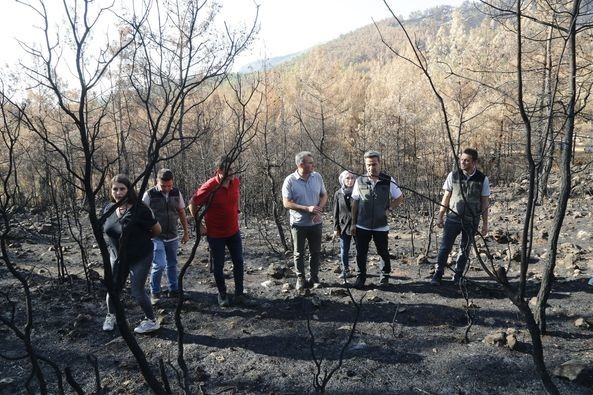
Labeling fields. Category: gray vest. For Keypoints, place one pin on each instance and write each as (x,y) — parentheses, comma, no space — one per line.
(374,200)
(166,211)
(466,210)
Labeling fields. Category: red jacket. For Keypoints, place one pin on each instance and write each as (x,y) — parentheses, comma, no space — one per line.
(222,217)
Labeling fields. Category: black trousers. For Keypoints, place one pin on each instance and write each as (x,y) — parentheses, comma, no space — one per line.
(363,239)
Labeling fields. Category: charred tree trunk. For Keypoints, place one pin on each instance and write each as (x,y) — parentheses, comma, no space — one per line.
(547,151)
(519,299)
(565,177)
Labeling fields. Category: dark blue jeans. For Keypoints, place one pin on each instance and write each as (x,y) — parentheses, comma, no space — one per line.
(450,232)
(363,239)
(217,253)
(345,240)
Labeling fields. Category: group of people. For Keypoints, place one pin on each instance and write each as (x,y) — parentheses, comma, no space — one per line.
(142,235)
(361,210)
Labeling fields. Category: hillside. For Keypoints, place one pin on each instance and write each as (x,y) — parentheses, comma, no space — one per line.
(363,45)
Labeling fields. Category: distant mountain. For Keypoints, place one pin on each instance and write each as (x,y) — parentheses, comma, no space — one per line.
(262,64)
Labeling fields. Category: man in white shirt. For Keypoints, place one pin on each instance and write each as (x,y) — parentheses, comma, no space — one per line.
(374,195)
(466,200)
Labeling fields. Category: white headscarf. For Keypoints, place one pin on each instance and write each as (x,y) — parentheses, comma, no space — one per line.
(341,179)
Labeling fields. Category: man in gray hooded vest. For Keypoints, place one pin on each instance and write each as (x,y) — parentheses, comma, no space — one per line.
(465,201)
(374,195)
(168,207)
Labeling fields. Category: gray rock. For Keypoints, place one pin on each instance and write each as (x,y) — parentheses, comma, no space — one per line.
(511,340)
(338,292)
(570,248)
(583,235)
(570,369)
(277,271)
(81,319)
(568,261)
(268,284)
(582,323)
(501,236)
(497,339)
(422,260)
(374,298)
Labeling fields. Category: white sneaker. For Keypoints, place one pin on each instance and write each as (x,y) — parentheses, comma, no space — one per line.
(147,326)
(109,323)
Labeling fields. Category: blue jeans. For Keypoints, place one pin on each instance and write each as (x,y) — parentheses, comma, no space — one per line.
(165,255)
(345,240)
(363,239)
(450,232)
(217,245)
(311,234)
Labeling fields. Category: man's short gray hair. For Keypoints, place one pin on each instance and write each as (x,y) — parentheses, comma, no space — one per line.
(372,154)
(298,158)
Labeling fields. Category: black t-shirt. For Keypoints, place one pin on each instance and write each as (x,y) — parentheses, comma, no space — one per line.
(135,225)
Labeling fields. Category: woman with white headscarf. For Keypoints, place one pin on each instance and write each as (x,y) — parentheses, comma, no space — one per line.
(343,219)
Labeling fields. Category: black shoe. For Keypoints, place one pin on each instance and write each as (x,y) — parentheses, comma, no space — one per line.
(457,277)
(359,283)
(173,294)
(223,301)
(384,281)
(436,278)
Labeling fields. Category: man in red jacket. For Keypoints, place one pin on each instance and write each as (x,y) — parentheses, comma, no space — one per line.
(220,196)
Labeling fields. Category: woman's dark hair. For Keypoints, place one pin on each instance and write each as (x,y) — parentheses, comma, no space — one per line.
(223,162)
(132,196)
